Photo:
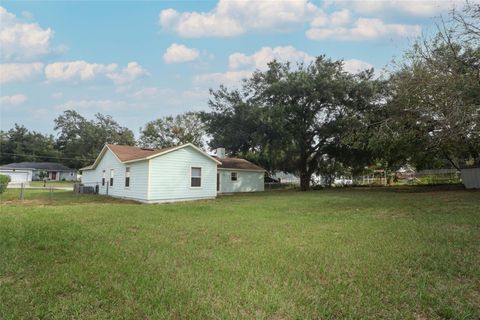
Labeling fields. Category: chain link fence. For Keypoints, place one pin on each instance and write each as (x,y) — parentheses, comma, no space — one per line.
(19,192)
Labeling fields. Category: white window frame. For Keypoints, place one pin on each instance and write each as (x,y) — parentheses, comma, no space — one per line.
(201,170)
(104,178)
(236,176)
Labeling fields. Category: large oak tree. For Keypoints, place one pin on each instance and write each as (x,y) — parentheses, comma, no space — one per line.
(294,118)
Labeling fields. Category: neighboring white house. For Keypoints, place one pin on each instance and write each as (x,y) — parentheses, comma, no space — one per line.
(238,175)
(18,176)
(170,174)
(290,178)
(24,172)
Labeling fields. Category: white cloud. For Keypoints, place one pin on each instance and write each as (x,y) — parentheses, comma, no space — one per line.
(355,65)
(228,78)
(131,72)
(22,40)
(261,58)
(337,18)
(83,70)
(12,72)
(235,17)
(77,70)
(13,100)
(178,53)
(241,66)
(363,29)
(421,8)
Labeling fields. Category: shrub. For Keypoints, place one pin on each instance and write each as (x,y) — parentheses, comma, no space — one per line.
(4,180)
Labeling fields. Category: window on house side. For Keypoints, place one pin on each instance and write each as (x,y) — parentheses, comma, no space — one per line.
(127,177)
(233,176)
(103,178)
(111,177)
(196,177)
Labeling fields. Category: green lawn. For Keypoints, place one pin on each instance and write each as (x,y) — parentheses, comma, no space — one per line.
(62,184)
(281,255)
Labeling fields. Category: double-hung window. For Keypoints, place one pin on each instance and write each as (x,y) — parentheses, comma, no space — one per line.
(112,173)
(103,178)
(233,176)
(127,177)
(196,177)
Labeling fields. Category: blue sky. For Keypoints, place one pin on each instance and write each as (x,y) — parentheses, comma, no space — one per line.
(138,61)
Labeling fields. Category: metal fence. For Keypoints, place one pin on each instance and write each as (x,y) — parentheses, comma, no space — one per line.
(24,191)
(15,192)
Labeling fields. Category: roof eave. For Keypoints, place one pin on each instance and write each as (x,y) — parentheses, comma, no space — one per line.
(181,147)
(235,169)
(135,160)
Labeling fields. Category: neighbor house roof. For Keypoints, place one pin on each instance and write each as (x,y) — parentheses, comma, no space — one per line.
(49,166)
(237,164)
(128,154)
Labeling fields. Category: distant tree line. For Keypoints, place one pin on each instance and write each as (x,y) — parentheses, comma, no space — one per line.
(312,119)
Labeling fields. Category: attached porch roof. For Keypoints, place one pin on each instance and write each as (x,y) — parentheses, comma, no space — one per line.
(237,164)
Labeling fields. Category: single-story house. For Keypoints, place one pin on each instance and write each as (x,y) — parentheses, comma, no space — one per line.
(24,172)
(165,175)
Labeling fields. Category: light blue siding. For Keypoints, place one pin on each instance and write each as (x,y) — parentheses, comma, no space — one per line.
(170,176)
(138,178)
(247,181)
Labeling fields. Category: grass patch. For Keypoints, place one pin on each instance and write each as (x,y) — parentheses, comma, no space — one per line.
(280,255)
(52,184)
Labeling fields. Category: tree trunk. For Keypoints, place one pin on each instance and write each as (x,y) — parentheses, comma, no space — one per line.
(452,162)
(304,181)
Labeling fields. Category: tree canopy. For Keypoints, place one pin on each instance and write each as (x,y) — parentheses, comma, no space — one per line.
(19,144)
(172,131)
(293,118)
(434,96)
(80,140)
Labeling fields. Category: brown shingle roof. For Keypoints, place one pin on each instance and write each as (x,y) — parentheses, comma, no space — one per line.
(237,163)
(128,153)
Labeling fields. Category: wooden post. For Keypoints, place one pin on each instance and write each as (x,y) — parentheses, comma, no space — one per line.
(22,196)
